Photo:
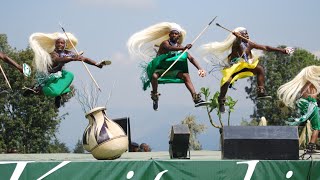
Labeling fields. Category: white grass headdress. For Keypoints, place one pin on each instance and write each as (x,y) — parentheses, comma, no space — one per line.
(289,91)
(43,44)
(142,43)
(220,50)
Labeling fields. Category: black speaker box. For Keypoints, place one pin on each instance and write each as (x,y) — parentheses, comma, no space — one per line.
(179,141)
(125,124)
(260,142)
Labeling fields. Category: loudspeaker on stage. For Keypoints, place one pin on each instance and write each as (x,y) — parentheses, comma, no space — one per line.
(260,142)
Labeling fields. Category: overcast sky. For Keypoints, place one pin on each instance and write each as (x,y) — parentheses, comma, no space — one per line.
(103,27)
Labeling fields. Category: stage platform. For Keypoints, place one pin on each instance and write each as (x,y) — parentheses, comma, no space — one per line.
(153,165)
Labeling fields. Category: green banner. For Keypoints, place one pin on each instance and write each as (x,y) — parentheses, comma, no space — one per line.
(159,169)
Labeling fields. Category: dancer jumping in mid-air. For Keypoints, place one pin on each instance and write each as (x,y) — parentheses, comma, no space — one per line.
(52,52)
(301,92)
(240,63)
(168,37)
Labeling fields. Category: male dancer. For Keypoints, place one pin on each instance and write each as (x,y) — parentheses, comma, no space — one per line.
(301,92)
(240,63)
(169,37)
(52,52)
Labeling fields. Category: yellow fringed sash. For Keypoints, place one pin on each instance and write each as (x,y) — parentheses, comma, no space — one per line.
(240,65)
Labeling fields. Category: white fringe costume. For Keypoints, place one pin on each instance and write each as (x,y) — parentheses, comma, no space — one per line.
(142,43)
(290,91)
(51,84)
(220,50)
(43,44)
(291,95)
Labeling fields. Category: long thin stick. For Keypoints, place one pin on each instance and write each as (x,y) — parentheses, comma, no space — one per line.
(232,32)
(95,82)
(5,77)
(187,49)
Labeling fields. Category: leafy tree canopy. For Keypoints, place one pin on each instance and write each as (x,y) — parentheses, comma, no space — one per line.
(279,69)
(27,124)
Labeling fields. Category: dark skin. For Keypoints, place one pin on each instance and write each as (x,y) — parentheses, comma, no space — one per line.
(243,36)
(166,47)
(58,62)
(237,52)
(8,60)
(144,147)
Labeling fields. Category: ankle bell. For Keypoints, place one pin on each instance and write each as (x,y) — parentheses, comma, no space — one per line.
(196,96)
(261,90)
(221,100)
(155,96)
(311,146)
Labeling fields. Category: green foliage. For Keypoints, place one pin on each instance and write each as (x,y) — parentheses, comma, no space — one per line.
(57,147)
(195,130)
(253,122)
(214,105)
(279,69)
(27,123)
(79,147)
(213,100)
(230,103)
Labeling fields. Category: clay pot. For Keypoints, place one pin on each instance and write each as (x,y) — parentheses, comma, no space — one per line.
(104,138)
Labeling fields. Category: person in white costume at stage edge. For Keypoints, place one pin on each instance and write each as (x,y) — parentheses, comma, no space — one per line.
(301,92)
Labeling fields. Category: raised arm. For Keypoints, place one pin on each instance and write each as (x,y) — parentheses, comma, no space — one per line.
(267,48)
(8,60)
(253,45)
(72,57)
(89,61)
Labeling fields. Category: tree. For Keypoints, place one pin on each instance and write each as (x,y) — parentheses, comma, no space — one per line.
(58,147)
(254,122)
(195,129)
(27,124)
(279,69)
(79,147)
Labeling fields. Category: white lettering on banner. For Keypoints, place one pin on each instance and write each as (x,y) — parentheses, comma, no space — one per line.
(22,164)
(54,169)
(289,174)
(19,168)
(159,175)
(130,174)
(251,166)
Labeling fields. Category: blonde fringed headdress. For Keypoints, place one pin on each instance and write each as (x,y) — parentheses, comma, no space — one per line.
(220,50)
(43,44)
(289,91)
(142,42)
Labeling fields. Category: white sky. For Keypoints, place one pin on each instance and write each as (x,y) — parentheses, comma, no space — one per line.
(103,27)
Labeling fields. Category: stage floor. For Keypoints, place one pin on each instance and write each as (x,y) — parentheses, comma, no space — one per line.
(153,165)
(134,156)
